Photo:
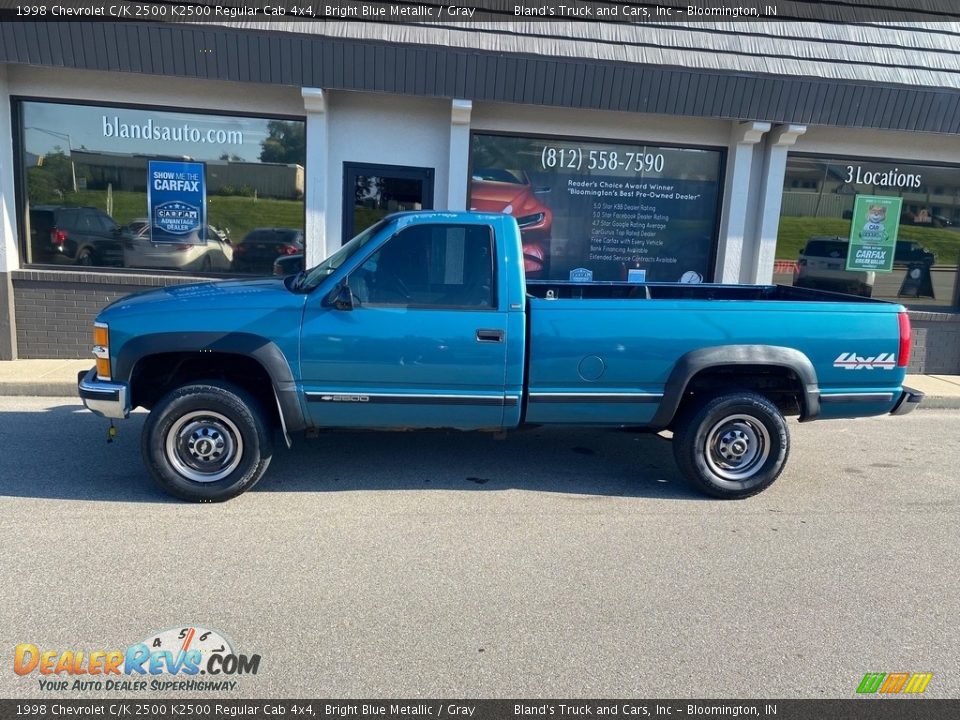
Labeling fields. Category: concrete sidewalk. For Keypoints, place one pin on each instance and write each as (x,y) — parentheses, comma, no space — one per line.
(58,378)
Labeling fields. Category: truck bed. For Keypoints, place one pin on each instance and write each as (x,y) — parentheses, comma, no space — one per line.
(673,291)
(605,352)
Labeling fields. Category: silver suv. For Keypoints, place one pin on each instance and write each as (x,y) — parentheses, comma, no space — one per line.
(822,266)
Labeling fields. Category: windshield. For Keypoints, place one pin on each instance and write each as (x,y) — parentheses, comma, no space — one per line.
(316,275)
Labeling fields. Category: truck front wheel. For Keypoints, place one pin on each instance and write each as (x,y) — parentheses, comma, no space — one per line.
(734,446)
(206,442)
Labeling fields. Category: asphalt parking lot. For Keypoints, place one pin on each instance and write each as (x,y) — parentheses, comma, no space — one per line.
(552,563)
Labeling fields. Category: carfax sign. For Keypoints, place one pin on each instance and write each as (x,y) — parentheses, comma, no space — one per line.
(873,234)
(177,201)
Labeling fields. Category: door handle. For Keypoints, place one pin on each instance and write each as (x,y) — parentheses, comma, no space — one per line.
(489,336)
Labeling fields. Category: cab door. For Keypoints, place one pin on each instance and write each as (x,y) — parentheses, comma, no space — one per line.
(414,337)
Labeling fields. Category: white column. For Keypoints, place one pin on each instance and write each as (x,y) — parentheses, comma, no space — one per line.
(736,215)
(459,154)
(9,254)
(778,145)
(318,245)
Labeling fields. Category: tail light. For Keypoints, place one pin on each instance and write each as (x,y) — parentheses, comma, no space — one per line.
(903,354)
(288,250)
(58,237)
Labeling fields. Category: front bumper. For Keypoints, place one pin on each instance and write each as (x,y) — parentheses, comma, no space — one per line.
(909,401)
(106,399)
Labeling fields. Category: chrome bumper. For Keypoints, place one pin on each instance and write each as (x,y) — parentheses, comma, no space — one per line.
(908,402)
(106,399)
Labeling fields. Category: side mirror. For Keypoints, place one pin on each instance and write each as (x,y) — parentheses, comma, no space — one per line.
(343,297)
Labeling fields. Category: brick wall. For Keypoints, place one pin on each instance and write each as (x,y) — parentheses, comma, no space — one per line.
(936,343)
(54,310)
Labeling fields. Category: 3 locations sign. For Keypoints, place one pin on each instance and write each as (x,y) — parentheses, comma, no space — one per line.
(591,211)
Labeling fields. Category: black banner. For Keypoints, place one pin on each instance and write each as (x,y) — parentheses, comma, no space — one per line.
(665,11)
(849,709)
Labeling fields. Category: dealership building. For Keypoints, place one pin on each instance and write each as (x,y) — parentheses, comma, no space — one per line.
(710,150)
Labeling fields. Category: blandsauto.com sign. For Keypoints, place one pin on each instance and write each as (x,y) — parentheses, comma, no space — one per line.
(181,132)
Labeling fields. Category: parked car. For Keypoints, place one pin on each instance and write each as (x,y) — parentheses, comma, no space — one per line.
(425,320)
(74,236)
(141,249)
(924,218)
(262,246)
(513,193)
(909,251)
(822,266)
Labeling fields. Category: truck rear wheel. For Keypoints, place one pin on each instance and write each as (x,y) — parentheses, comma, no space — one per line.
(734,446)
(206,442)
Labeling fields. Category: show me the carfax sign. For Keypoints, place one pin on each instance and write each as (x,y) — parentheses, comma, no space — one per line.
(873,233)
(177,201)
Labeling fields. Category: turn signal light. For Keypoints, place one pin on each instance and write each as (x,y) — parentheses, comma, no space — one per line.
(103,368)
(101,350)
(100,335)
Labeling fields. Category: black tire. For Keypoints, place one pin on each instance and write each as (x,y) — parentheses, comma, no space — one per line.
(224,445)
(85,257)
(733,446)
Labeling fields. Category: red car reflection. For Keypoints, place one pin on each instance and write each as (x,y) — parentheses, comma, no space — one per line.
(509,191)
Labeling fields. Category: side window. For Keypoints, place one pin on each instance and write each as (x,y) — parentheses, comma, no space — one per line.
(69,220)
(104,223)
(87,222)
(439,266)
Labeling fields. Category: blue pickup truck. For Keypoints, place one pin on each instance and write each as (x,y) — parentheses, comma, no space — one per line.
(425,320)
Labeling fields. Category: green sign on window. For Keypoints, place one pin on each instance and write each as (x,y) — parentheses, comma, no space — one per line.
(873,233)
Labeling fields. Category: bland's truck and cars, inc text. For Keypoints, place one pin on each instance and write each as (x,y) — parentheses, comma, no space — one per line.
(425,320)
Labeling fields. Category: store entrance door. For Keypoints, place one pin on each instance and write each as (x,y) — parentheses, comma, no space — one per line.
(372,191)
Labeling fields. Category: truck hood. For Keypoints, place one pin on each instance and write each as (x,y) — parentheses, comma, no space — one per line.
(214,292)
(206,296)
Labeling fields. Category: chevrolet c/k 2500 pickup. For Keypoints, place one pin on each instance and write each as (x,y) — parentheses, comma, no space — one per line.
(425,320)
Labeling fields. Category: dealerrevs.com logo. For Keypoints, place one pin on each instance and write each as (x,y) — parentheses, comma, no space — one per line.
(184,658)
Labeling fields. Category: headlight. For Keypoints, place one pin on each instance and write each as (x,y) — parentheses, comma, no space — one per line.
(101,349)
(528,220)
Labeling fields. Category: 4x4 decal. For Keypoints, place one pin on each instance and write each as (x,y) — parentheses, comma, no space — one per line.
(852,361)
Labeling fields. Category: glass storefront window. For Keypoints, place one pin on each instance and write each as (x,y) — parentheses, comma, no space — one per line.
(371,192)
(119,187)
(907,224)
(603,211)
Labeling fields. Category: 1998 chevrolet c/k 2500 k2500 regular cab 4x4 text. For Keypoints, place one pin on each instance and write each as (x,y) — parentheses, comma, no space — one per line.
(425,320)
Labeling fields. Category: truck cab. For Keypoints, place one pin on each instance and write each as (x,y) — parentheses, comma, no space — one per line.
(425,313)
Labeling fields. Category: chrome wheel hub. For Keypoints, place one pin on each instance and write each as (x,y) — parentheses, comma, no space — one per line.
(204,446)
(737,447)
